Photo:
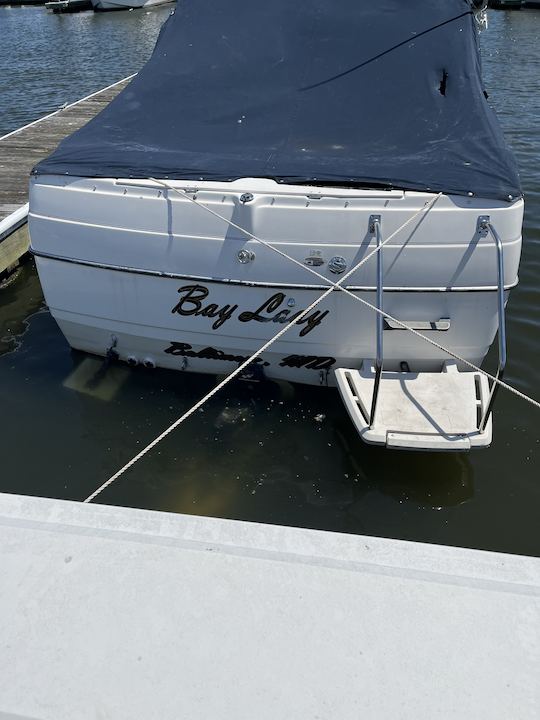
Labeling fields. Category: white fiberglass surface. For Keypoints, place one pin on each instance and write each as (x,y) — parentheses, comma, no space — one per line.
(154,229)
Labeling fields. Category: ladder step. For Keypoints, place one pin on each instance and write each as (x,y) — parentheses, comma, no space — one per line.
(418,411)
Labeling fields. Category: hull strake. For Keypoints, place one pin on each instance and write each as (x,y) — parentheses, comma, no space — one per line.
(245,283)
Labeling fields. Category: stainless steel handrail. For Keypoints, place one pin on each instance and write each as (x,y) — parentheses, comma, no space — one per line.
(375,228)
(484,227)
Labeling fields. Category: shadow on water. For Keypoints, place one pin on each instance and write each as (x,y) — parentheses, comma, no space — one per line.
(429,480)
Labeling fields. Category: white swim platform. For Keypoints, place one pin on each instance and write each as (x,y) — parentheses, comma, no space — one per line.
(109,612)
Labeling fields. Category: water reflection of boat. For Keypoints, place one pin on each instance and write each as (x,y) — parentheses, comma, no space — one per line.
(289,132)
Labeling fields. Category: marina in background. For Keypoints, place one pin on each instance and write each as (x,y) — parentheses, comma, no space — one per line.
(104,5)
(71,6)
(232,419)
(129,613)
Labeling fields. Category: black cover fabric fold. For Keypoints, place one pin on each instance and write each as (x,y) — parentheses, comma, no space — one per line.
(370,93)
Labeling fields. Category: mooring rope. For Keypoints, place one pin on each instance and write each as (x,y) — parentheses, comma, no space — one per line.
(243,365)
(425,209)
(332,287)
(68,106)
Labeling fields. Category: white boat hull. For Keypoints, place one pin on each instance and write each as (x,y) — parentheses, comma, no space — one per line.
(144,315)
(150,273)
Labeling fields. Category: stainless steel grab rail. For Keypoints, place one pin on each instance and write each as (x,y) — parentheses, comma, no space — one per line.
(484,228)
(375,229)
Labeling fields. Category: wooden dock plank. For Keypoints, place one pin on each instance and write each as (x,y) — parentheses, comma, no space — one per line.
(21,151)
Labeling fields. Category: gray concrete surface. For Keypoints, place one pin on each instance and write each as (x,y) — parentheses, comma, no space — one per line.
(118,613)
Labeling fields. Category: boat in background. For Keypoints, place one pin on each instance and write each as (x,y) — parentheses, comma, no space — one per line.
(264,128)
(104,5)
(505,4)
(68,6)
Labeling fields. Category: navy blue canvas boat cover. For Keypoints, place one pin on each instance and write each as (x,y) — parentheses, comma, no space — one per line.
(370,93)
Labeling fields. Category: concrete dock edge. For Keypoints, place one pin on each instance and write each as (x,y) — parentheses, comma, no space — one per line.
(115,612)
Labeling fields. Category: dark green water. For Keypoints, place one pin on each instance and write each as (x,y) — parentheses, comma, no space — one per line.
(257,452)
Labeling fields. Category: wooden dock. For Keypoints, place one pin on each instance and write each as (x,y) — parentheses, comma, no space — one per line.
(21,149)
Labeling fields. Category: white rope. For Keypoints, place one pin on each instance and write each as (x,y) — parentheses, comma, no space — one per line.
(333,286)
(66,107)
(425,209)
(233,374)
